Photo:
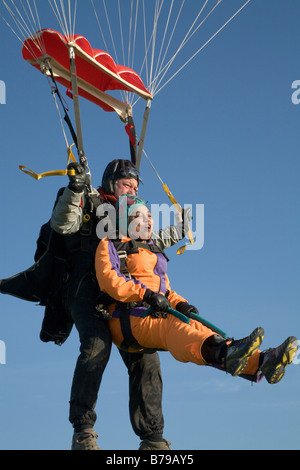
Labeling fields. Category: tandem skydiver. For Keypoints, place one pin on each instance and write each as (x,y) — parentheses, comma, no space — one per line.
(74,217)
(142,301)
(63,280)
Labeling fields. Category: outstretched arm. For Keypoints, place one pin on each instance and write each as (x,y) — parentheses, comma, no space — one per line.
(171,235)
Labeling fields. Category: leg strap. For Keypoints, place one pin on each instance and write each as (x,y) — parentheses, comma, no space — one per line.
(129,339)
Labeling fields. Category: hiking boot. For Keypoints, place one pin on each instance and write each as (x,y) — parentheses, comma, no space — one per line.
(85,440)
(146,444)
(239,351)
(277,359)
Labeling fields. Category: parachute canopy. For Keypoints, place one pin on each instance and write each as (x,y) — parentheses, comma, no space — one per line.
(96,70)
(146,33)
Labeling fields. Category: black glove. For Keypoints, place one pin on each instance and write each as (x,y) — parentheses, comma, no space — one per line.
(185,308)
(158,302)
(78,181)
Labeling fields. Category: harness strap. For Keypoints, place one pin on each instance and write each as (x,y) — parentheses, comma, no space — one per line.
(153,248)
(91,202)
(124,249)
(131,247)
(129,340)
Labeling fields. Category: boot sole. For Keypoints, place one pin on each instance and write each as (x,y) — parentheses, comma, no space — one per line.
(239,366)
(287,356)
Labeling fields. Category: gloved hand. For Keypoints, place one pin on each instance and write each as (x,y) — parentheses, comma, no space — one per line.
(158,302)
(78,181)
(186,308)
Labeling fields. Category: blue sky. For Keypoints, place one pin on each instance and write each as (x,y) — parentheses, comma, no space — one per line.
(224,133)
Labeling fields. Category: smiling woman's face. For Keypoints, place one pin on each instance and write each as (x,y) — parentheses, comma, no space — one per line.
(141,224)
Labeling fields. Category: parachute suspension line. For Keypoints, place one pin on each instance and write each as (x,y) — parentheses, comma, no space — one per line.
(154,33)
(203,46)
(123,93)
(185,40)
(177,206)
(67,23)
(131,38)
(25,29)
(65,19)
(20,23)
(121,30)
(55,92)
(72,20)
(28,22)
(59,115)
(131,64)
(164,37)
(63,13)
(147,45)
(151,83)
(11,28)
(110,33)
(129,34)
(164,69)
(128,56)
(132,42)
(158,67)
(34,24)
(99,25)
(58,16)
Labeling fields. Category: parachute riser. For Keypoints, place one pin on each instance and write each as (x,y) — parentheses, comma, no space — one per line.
(74,85)
(143,134)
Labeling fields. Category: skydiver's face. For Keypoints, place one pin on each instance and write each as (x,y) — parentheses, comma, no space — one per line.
(125,186)
(141,224)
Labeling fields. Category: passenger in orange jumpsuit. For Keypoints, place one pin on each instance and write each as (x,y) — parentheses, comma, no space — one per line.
(145,284)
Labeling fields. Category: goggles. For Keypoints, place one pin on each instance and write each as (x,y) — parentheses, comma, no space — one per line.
(130,173)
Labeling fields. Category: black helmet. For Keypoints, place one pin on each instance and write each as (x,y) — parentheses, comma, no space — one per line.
(118,169)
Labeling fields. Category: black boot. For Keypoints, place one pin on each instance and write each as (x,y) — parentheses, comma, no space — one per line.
(233,356)
(214,350)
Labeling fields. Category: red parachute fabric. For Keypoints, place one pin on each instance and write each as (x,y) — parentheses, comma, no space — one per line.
(96,70)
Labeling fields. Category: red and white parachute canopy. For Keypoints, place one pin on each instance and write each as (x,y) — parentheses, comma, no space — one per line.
(96,70)
(149,28)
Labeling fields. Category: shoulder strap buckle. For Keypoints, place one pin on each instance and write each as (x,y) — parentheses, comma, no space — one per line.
(122,254)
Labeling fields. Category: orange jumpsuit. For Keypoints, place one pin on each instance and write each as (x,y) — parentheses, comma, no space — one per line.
(149,271)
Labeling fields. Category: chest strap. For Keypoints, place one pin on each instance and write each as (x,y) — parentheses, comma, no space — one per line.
(130,247)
